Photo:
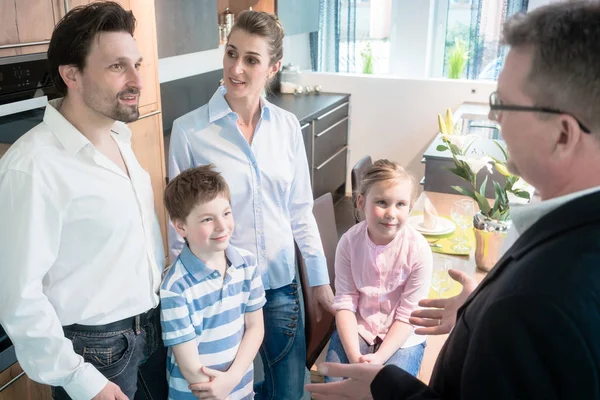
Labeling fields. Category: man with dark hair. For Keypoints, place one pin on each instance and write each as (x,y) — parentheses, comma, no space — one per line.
(80,247)
(530,330)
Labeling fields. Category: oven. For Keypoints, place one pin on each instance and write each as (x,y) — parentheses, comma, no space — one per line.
(25,88)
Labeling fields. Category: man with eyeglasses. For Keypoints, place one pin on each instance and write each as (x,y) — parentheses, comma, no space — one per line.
(530,329)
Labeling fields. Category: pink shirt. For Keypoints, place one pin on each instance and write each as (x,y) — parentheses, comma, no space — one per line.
(382,284)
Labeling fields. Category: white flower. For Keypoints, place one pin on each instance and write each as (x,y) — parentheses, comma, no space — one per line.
(461,141)
(477,164)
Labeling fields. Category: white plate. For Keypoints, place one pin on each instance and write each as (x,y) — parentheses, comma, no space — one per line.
(442,226)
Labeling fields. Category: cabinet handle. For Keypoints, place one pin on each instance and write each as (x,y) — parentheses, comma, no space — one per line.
(332,111)
(12,46)
(66,6)
(333,126)
(149,114)
(23,105)
(337,153)
(13,380)
(305,125)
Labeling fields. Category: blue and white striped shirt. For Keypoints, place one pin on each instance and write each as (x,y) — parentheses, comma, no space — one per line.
(271,195)
(197,303)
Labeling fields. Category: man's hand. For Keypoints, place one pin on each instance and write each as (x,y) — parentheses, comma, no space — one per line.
(110,392)
(371,358)
(358,387)
(323,296)
(440,317)
(219,387)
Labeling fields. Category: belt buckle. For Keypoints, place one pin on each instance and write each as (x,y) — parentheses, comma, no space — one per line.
(137,326)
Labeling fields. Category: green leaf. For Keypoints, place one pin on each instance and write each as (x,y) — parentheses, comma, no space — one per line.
(465,192)
(441,147)
(502,149)
(455,149)
(483,203)
(461,173)
(522,194)
(482,188)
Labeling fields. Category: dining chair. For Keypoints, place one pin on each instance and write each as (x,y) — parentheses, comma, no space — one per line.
(319,332)
(356,176)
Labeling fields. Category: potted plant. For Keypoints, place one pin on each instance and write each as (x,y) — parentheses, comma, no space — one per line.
(457,59)
(492,221)
(367,57)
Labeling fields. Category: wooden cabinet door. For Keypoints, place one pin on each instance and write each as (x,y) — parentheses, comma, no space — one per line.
(145,37)
(18,388)
(21,387)
(147,143)
(25,21)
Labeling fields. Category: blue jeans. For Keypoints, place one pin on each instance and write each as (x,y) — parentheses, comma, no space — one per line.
(283,350)
(134,362)
(409,359)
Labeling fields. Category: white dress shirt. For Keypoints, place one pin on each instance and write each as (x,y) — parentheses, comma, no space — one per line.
(79,243)
(271,195)
(525,215)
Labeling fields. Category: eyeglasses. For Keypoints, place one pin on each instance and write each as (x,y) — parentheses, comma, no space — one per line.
(496,107)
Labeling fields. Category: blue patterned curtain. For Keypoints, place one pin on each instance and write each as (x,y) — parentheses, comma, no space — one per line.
(486,54)
(333,47)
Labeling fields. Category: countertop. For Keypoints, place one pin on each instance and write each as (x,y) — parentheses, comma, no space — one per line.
(307,106)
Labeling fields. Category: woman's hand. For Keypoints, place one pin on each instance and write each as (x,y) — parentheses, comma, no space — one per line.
(440,316)
(323,296)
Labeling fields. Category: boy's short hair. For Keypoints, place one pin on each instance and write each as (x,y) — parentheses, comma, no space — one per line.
(194,186)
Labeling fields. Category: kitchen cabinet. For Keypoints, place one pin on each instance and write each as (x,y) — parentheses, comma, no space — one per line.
(15,385)
(147,144)
(437,177)
(472,120)
(324,122)
(186,26)
(24,22)
(298,16)
(145,34)
(236,6)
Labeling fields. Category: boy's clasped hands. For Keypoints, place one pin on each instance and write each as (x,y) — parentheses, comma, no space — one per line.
(217,387)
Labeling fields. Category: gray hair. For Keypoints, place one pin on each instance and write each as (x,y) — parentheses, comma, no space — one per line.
(565,73)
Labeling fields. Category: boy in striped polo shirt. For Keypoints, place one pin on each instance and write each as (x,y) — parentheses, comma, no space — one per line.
(211,297)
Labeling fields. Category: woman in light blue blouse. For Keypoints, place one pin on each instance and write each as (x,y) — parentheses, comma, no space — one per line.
(258,148)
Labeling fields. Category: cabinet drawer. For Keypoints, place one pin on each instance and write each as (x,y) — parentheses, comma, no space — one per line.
(307,136)
(330,175)
(330,117)
(330,141)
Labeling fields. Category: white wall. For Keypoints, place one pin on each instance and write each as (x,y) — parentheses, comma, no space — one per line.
(397,118)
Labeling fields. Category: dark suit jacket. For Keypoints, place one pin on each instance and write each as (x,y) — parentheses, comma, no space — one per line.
(531,330)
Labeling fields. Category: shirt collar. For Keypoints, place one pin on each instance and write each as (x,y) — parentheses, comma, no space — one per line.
(69,137)
(219,108)
(525,215)
(199,270)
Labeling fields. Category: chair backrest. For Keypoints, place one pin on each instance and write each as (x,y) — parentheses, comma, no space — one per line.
(356,175)
(318,333)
